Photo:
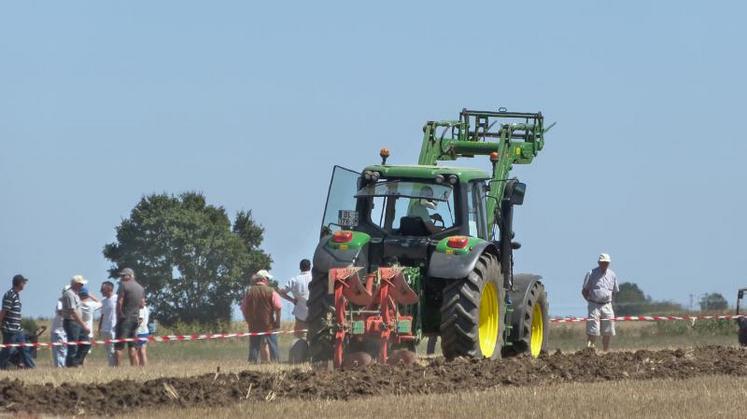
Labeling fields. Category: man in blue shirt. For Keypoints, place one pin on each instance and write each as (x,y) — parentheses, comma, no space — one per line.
(10,319)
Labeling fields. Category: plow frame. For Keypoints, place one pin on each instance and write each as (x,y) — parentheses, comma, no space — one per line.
(376,309)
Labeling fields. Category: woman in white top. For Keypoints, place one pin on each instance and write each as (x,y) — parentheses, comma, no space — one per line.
(88,306)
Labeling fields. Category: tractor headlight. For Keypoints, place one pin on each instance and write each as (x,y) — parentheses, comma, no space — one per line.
(453,179)
(439,179)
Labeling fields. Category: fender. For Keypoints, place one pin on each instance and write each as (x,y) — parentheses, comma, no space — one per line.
(328,255)
(523,282)
(456,266)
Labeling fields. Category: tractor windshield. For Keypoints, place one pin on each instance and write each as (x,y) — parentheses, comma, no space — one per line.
(410,208)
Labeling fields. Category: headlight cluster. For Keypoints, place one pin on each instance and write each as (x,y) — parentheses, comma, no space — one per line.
(452,179)
(371,176)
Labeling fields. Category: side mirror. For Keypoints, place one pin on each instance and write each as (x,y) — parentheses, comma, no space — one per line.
(517,192)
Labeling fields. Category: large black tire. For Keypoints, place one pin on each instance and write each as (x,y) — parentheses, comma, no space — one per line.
(460,311)
(531,309)
(320,318)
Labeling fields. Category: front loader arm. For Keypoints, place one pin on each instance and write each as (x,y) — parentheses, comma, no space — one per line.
(514,137)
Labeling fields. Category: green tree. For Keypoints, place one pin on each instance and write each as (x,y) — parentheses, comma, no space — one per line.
(713,302)
(630,301)
(192,262)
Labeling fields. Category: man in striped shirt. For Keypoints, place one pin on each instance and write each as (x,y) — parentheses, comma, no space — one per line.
(10,318)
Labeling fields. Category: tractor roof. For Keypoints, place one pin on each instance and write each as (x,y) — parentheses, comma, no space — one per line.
(428,172)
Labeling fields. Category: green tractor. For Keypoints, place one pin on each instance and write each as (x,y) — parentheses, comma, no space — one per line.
(414,251)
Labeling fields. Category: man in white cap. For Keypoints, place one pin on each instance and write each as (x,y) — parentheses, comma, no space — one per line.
(72,321)
(261,308)
(599,286)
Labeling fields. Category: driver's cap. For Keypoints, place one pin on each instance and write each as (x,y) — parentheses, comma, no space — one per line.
(605,257)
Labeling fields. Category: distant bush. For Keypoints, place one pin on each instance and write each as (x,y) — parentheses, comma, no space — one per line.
(631,301)
(713,301)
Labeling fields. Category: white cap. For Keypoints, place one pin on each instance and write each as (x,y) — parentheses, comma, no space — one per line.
(263,273)
(605,257)
(78,279)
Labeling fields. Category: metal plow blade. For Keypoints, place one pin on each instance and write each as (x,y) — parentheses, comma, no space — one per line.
(352,288)
(399,290)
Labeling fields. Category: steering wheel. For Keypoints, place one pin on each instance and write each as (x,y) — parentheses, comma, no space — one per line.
(436,218)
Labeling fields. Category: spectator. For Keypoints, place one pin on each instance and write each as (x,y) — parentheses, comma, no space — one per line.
(261,308)
(130,298)
(599,286)
(298,287)
(13,333)
(58,334)
(72,320)
(88,306)
(108,319)
(142,336)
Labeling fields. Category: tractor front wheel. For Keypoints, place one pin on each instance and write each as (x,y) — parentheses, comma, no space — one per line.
(472,312)
(530,321)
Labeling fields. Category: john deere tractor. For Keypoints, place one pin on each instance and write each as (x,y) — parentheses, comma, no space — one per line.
(410,251)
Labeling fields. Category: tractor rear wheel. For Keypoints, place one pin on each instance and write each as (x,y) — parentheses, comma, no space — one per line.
(320,318)
(472,312)
(530,321)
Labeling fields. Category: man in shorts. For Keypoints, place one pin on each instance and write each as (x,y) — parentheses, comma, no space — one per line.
(130,299)
(599,286)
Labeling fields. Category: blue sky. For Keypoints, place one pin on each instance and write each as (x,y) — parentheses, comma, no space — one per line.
(252,104)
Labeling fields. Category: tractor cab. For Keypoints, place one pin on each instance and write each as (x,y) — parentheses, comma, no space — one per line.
(405,211)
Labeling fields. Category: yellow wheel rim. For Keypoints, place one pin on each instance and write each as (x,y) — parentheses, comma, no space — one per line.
(487,327)
(538,331)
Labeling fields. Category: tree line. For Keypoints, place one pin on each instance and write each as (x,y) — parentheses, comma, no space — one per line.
(632,301)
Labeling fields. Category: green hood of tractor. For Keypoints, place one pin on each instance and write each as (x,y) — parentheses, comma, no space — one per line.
(465,174)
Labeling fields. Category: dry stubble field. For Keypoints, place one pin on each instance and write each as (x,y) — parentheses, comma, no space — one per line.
(657,381)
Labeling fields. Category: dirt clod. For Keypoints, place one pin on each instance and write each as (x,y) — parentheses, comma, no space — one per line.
(437,376)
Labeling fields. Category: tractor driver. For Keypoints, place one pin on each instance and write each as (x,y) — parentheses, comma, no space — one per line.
(420,208)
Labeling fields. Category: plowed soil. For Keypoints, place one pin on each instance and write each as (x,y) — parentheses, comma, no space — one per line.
(437,376)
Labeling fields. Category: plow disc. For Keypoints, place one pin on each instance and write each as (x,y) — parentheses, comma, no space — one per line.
(368,308)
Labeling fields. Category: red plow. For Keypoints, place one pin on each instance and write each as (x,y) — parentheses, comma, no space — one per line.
(368,308)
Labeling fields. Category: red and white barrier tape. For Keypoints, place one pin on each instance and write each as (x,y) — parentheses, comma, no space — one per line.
(646,318)
(166,338)
(211,336)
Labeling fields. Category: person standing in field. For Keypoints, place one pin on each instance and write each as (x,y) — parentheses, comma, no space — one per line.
(130,299)
(297,292)
(10,319)
(600,284)
(59,351)
(108,319)
(142,336)
(88,306)
(261,308)
(72,320)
